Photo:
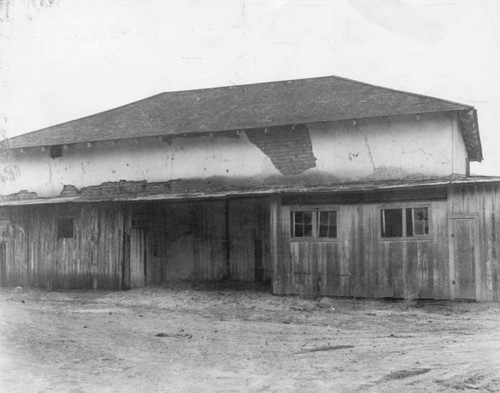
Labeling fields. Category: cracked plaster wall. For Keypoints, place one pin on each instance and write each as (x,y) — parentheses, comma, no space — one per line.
(388,147)
(370,149)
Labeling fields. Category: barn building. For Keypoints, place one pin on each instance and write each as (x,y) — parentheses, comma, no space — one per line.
(322,186)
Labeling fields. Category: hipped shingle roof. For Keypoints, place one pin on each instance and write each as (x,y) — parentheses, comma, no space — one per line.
(251,106)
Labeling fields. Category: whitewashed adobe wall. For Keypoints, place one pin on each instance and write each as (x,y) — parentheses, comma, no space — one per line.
(387,148)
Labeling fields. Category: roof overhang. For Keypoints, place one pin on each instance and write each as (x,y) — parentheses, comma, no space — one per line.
(361,187)
(468,123)
(242,107)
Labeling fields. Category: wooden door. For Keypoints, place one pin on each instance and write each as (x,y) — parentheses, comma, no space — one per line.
(137,257)
(465,254)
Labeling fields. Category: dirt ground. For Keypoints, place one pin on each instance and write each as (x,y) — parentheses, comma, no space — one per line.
(225,338)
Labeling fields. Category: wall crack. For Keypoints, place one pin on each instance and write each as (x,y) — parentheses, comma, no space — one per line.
(365,137)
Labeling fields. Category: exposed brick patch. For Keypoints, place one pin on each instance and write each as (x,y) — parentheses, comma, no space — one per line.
(69,191)
(289,148)
(19,196)
(123,188)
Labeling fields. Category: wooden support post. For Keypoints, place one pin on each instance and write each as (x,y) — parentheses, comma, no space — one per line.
(275,208)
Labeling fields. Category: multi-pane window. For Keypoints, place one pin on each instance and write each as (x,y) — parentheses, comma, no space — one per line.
(303,224)
(314,224)
(408,222)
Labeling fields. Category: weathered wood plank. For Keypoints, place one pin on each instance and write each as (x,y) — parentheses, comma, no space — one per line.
(360,263)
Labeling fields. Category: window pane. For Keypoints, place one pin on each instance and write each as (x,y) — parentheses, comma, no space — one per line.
(420,228)
(299,217)
(392,222)
(421,221)
(324,218)
(308,217)
(409,222)
(308,230)
(302,224)
(328,224)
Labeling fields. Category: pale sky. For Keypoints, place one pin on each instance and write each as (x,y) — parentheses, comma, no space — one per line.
(77,57)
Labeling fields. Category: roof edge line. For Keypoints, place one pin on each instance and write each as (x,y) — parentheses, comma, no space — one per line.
(180,133)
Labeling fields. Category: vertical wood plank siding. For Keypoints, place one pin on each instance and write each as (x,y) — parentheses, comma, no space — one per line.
(483,202)
(249,252)
(37,257)
(248,239)
(360,263)
(208,240)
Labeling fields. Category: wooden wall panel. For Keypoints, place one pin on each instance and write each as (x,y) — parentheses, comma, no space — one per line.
(483,202)
(249,232)
(91,259)
(334,281)
(211,240)
(361,263)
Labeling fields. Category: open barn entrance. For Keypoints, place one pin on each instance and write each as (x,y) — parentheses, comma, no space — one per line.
(202,241)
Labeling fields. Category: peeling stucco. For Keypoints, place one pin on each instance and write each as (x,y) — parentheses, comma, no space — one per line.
(288,147)
(319,153)
(20,196)
(69,191)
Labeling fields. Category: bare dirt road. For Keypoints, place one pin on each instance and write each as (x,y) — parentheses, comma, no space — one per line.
(187,338)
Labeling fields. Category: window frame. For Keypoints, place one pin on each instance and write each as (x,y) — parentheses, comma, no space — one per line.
(316,210)
(403,207)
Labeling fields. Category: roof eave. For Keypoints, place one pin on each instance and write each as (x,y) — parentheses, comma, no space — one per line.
(470,130)
(469,126)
